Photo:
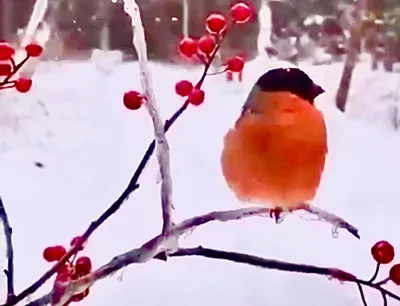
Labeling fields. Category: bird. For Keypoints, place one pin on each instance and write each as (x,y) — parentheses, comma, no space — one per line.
(274,155)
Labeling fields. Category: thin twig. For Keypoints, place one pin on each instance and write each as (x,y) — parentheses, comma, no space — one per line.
(332,219)
(15,70)
(373,278)
(162,146)
(382,282)
(362,295)
(9,272)
(385,300)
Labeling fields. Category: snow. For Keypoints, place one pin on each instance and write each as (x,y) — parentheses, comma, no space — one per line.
(74,123)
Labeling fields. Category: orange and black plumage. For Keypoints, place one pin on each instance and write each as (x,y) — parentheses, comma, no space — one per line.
(275,153)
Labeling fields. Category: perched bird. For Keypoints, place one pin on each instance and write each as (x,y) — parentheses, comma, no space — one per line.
(275,153)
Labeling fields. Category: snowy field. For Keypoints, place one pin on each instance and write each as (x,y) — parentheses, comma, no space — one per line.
(73,121)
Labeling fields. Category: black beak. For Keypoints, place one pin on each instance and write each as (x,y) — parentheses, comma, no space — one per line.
(317,90)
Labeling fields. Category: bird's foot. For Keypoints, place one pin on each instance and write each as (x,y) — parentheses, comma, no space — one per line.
(276,214)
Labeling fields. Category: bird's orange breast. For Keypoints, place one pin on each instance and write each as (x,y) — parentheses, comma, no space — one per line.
(276,155)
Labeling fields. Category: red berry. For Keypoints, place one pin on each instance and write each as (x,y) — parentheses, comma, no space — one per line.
(183,88)
(207,44)
(23,85)
(54,253)
(66,269)
(196,97)
(235,64)
(80,296)
(216,23)
(34,50)
(63,277)
(80,240)
(6,51)
(394,274)
(83,265)
(188,47)
(241,12)
(5,69)
(133,100)
(382,252)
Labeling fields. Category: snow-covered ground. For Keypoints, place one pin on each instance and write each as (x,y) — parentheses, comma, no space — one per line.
(73,122)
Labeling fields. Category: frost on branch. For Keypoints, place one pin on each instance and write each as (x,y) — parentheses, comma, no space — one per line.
(162,147)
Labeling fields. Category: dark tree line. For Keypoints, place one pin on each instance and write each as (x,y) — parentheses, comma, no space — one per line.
(79,22)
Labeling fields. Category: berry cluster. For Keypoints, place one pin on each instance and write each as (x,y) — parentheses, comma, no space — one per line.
(8,66)
(73,269)
(205,49)
(383,253)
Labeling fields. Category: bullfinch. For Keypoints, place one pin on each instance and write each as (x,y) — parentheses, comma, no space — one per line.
(275,153)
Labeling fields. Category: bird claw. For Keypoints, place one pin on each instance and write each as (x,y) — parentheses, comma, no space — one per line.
(275,213)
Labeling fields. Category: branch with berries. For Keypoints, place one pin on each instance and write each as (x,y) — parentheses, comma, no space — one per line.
(9,68)
(74,274)
(73,282)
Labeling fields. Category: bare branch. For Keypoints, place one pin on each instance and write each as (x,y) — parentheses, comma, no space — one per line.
(139,42)
(44,300)
(9,272)
(332,219)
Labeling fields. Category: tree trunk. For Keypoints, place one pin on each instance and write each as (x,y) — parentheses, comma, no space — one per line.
(185,22)
(5,26)
(353,52)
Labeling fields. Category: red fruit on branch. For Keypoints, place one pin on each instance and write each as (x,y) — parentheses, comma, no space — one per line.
(6,51)
(23,85)
(83,265)
(235,64)
(33,50)
(5,69)
(183,88)
(66,269)
(133,99)
(207,44)
(54,253)
(241,12)
(196,97)
(394,274)
(382,252)
(216,23)
(188,47)
(78,240)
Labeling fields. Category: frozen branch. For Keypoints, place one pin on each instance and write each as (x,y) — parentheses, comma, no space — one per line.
(9,272)
(328,217)
(139,42)
(237,214)
(156,247)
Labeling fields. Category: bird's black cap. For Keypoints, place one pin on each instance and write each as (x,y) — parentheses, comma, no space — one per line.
(293,80)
